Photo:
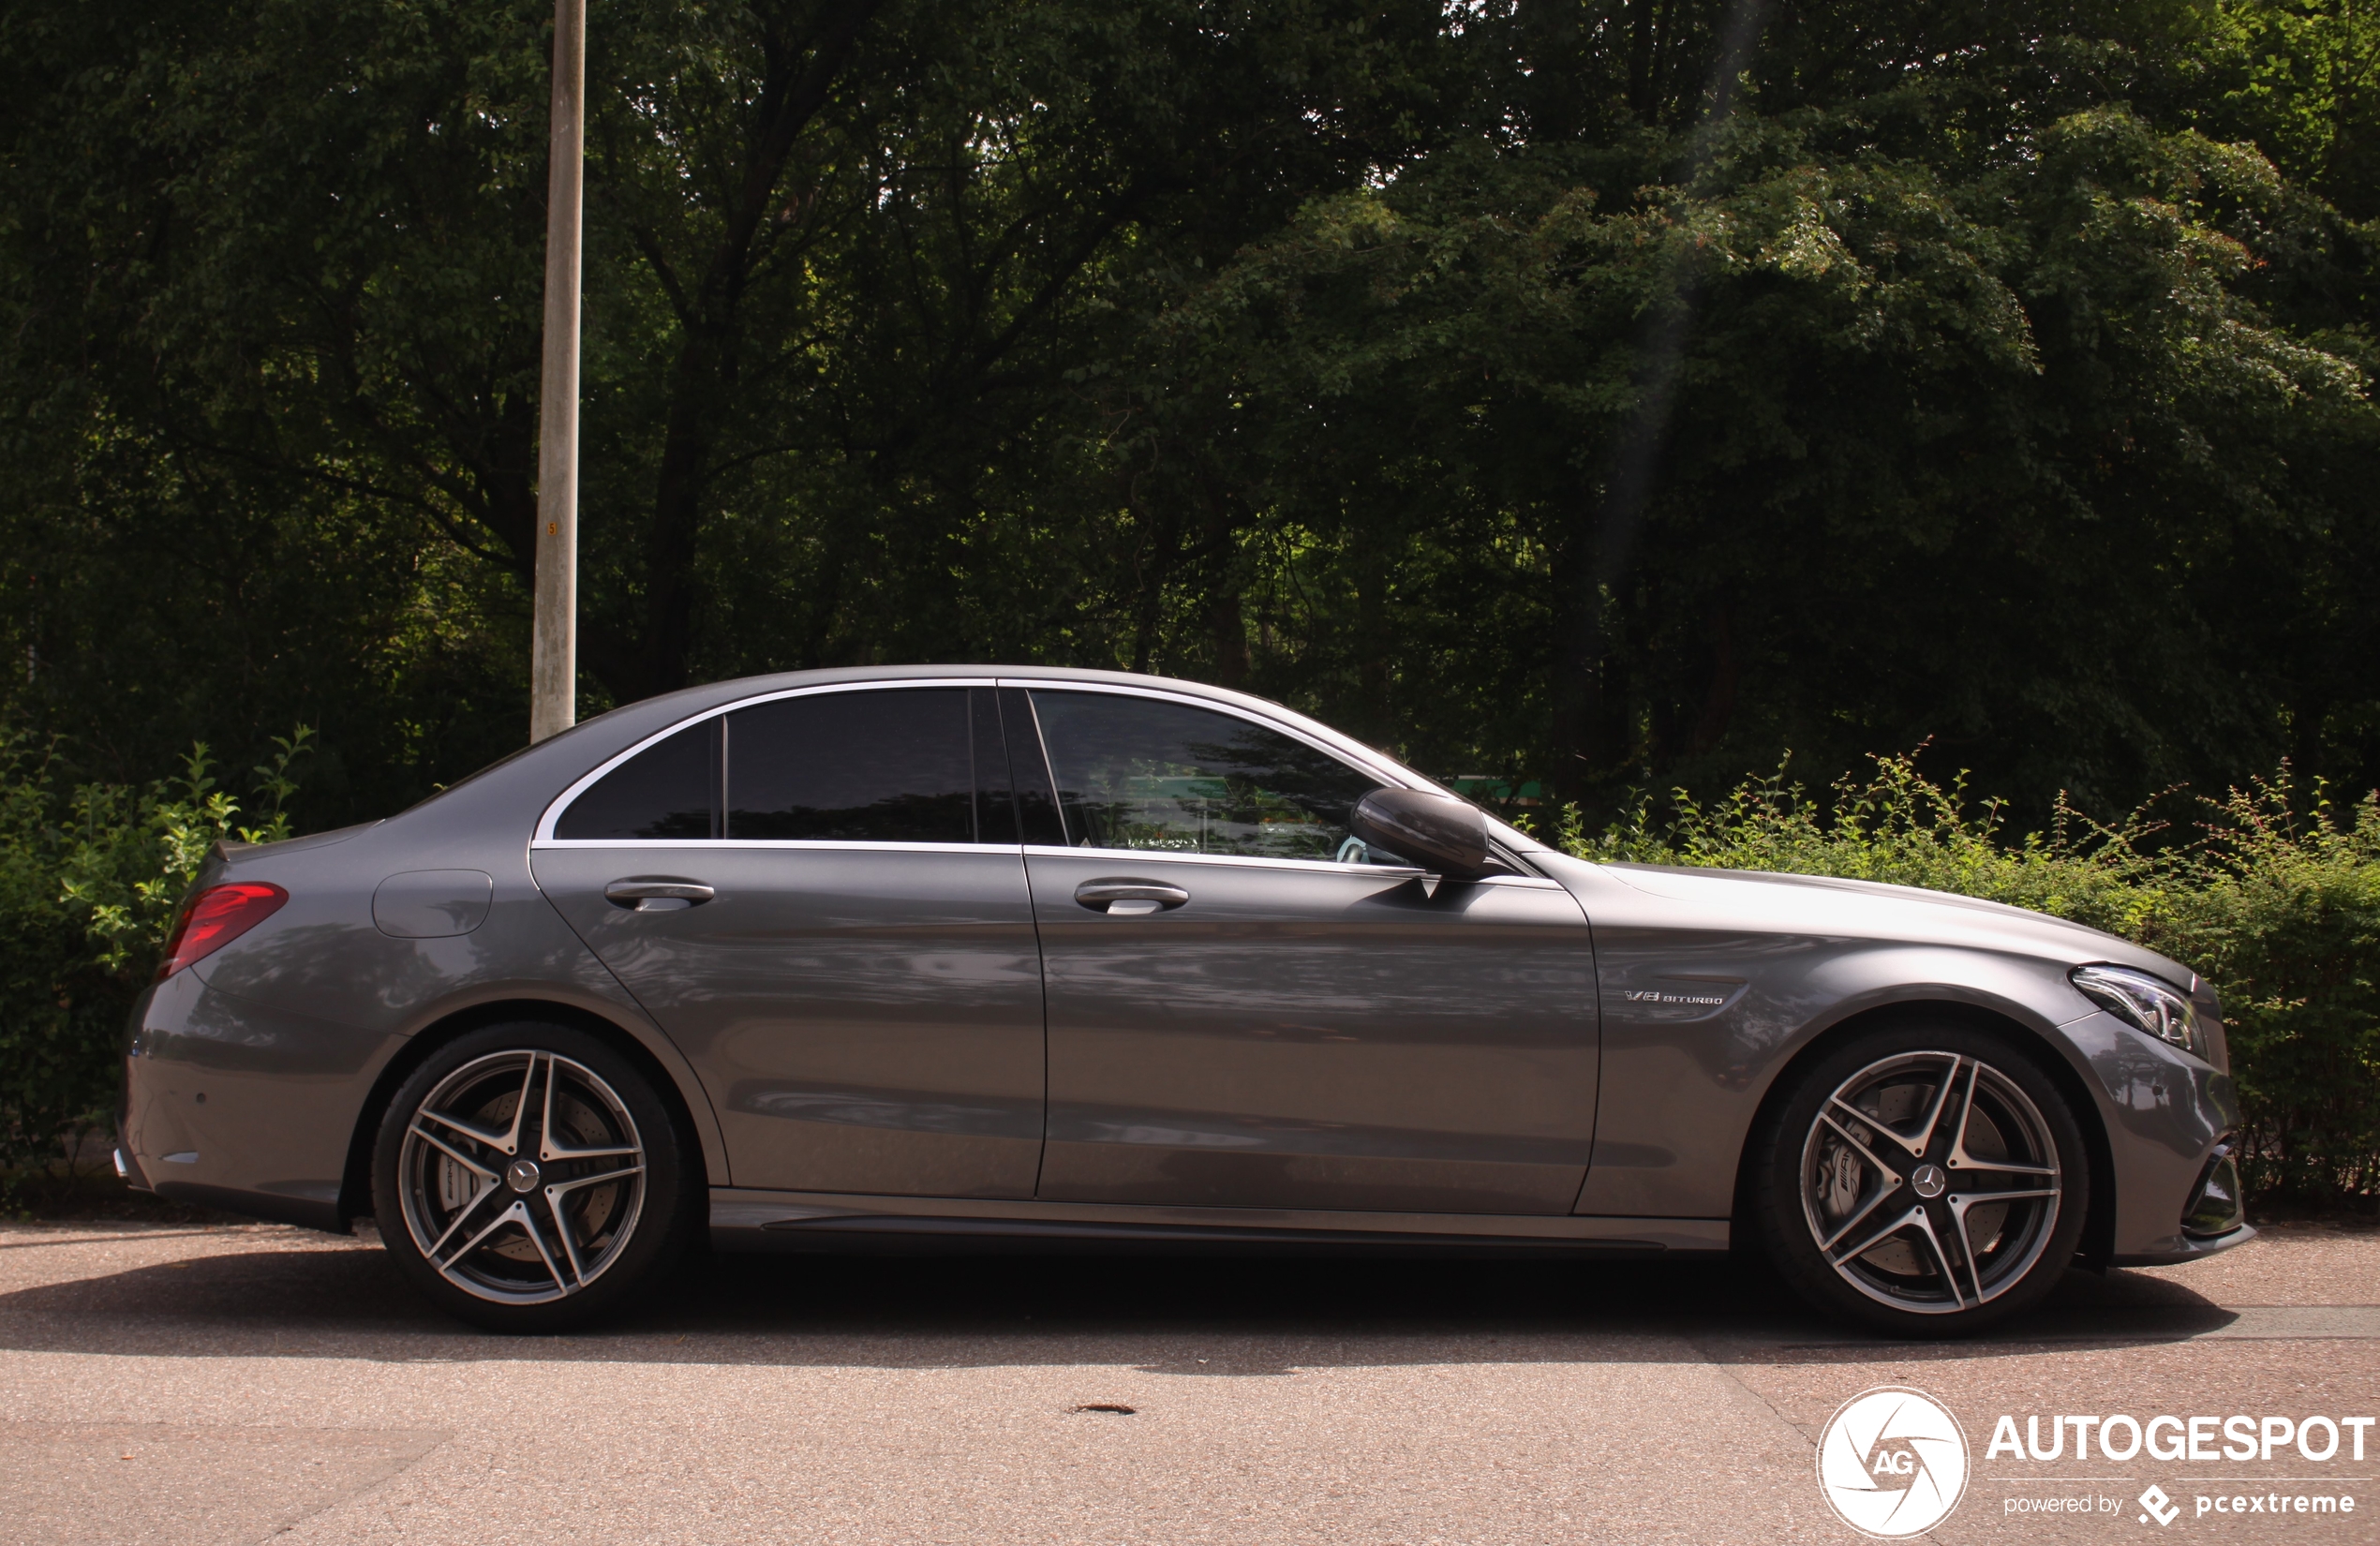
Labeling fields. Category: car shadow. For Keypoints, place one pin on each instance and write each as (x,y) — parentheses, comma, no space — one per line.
(1205,1314)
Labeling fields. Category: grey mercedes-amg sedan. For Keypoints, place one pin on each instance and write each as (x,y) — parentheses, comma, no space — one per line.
(1007,952)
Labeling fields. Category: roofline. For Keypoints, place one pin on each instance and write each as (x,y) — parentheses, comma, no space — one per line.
(633,722)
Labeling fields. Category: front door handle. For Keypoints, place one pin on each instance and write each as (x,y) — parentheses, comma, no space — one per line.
(657,892)
(1129,899)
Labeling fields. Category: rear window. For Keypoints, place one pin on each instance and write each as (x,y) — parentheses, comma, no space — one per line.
(883,766)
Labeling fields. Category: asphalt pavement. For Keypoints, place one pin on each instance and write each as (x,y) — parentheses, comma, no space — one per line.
(236,1384)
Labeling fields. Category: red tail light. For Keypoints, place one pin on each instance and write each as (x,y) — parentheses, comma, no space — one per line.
(216,916)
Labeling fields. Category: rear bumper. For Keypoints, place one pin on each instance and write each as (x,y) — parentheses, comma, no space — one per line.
(128,1168)
(233,1106)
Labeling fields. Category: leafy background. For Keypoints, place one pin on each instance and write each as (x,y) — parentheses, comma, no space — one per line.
(1584,399)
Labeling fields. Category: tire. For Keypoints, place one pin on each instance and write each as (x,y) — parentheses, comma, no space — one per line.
(1876,1174)
(515,1226)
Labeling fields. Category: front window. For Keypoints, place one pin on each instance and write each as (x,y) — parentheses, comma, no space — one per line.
(1145,773)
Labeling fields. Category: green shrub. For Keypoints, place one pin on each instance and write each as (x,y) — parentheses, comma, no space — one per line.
(2275,899)
(91,877)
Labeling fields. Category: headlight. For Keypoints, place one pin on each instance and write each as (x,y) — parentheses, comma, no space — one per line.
(2150,1003)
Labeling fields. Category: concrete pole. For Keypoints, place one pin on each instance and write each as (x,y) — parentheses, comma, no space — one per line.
(553,693)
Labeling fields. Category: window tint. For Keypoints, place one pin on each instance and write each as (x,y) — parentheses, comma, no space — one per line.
(883,766)
(668,791)
(1144,773)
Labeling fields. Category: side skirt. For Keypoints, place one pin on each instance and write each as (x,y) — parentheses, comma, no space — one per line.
(743,1219)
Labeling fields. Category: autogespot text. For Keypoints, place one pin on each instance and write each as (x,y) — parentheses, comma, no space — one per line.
(2233,1438)
(2241,1439)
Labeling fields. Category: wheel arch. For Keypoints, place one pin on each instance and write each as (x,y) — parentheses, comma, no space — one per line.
(2099,1224)
(698,1137)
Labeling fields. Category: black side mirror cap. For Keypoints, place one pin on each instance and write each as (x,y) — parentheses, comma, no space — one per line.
(1435,831)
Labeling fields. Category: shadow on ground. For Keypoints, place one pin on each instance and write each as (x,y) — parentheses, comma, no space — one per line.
(1211,1314)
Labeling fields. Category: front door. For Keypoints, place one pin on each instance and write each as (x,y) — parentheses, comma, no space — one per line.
(821,899)
(1238,1018)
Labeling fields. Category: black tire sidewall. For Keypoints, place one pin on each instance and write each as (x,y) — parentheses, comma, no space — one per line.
(1777,1200)
(663,1223)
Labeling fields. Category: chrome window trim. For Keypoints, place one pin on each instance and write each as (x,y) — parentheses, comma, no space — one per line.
(544,838)
(712,845)
(1387,772)
(1264,861)
(1044,851)
(1366,760)
(1332,866)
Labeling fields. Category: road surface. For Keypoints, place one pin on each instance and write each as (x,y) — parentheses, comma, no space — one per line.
(236,1384)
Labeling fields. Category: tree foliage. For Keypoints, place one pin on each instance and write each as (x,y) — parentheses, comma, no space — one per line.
(1603,394)
(91,880)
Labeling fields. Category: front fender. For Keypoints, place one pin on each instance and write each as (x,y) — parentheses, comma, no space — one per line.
(1706,1006)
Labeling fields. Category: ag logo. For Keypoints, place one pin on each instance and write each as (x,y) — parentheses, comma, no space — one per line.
(1892,1461)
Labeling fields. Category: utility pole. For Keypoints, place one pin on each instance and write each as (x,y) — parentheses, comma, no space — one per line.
(553,693)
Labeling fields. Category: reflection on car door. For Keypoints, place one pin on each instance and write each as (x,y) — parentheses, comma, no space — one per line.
(860,991)
(1236,1019)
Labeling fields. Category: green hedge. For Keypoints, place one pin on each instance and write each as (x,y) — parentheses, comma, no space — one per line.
(2272,894)
(2273,897)
(90,878)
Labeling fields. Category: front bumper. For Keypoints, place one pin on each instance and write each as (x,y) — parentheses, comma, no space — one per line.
(2175,1249)
(2167,1116)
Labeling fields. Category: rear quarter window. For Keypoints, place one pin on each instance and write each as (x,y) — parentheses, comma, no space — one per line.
(667,793)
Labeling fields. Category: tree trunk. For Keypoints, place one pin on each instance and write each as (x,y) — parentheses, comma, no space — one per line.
(1575,688)
(795,88)
(1226,625)
(1719,696)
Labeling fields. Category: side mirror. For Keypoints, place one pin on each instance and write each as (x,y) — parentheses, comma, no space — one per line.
(1434,831)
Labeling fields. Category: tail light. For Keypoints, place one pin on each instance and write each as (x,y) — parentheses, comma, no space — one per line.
(216,916)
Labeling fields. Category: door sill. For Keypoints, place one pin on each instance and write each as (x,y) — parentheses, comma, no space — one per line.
(747,1219)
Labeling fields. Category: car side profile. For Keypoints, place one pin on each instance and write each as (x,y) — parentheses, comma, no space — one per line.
(986,951)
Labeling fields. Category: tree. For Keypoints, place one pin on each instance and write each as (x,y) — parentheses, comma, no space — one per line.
(1602,393)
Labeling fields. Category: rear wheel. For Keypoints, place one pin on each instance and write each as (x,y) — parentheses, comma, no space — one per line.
(528,1178)
(1929,1180)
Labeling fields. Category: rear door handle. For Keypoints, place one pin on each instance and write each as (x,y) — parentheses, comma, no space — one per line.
(1121,899)
(657,892)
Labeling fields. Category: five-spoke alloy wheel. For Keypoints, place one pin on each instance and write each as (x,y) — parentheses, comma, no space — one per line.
(528,1178)
(1926,1180)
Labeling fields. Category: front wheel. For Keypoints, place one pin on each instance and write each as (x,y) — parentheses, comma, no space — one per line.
(1925,1181)
(528,1178)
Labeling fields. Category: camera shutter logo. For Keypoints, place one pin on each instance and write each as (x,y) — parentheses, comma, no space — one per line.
(1892,1461)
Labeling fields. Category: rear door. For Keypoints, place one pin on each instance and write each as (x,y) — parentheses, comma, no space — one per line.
(822,899)
(1244,1014)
